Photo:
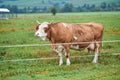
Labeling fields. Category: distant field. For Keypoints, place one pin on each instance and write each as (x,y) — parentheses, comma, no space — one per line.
(21,31)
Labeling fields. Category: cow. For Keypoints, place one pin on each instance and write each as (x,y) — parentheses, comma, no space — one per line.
(84,35)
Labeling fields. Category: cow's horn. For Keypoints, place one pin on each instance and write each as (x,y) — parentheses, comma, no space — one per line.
(38,22)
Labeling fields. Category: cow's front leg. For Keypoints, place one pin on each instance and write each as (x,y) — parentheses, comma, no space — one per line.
(60,56)
(59,50)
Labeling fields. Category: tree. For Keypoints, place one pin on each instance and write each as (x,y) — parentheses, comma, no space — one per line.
(24,9)
(103,5)
(79,9)
(67,8)
(53,11)
(34,9)
(93,7)
(14,9)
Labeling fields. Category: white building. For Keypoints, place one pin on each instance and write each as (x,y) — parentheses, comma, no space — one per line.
(4,13)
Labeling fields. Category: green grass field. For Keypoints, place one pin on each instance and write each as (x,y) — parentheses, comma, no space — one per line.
(18,31)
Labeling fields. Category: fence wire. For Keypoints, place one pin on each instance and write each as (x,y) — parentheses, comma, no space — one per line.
(30,45)
(36,59)
(52,58)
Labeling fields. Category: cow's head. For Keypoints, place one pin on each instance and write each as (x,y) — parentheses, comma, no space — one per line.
(41,30)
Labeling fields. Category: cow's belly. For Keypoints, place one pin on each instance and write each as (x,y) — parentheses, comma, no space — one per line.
(76,48)
(83,46)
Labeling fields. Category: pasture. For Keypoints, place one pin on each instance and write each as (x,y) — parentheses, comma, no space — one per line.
(18,31)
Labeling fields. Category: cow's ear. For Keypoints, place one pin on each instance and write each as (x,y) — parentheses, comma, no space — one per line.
(36,26)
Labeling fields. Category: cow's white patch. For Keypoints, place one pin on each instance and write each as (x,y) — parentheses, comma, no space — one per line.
(75,47)
(75,37)
(40,32)
(67,61)
(59,51)
(95,58)
(64,25)
(60,48)
(61,58)
(61,61)
(91,46)
(96,54)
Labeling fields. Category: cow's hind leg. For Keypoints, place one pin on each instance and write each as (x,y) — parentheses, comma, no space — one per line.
(95,60)
(67,54)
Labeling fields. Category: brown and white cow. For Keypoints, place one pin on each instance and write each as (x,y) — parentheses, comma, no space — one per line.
(62,32)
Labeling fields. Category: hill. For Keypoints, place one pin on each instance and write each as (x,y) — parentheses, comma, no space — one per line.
(45,5)
(49,3)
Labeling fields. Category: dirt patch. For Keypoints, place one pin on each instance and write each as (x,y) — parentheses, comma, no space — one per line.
(113,32)
(24,18)
(1,23)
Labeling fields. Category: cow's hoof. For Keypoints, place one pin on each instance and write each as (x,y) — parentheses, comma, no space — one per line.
(94,62)
(60,64)
(67,64)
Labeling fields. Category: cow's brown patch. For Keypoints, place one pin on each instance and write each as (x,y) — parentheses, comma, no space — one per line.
(36,26)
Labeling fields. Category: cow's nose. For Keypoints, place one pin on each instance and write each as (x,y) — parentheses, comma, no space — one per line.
(37,34)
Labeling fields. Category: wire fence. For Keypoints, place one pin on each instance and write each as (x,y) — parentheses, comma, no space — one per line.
(52,58)
(30,45)
(35,59)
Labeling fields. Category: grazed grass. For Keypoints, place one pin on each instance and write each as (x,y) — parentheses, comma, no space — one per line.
(21,31)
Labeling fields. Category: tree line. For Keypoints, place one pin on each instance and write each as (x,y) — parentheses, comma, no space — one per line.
(67,7)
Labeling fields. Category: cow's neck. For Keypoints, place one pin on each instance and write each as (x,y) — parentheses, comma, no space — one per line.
(49,34)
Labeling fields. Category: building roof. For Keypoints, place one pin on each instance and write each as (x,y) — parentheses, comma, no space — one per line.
(4,10)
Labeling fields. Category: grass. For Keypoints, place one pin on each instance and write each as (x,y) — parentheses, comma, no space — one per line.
(80,69)
(21,31)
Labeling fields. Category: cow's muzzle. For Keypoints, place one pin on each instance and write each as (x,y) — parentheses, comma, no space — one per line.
(37,34)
